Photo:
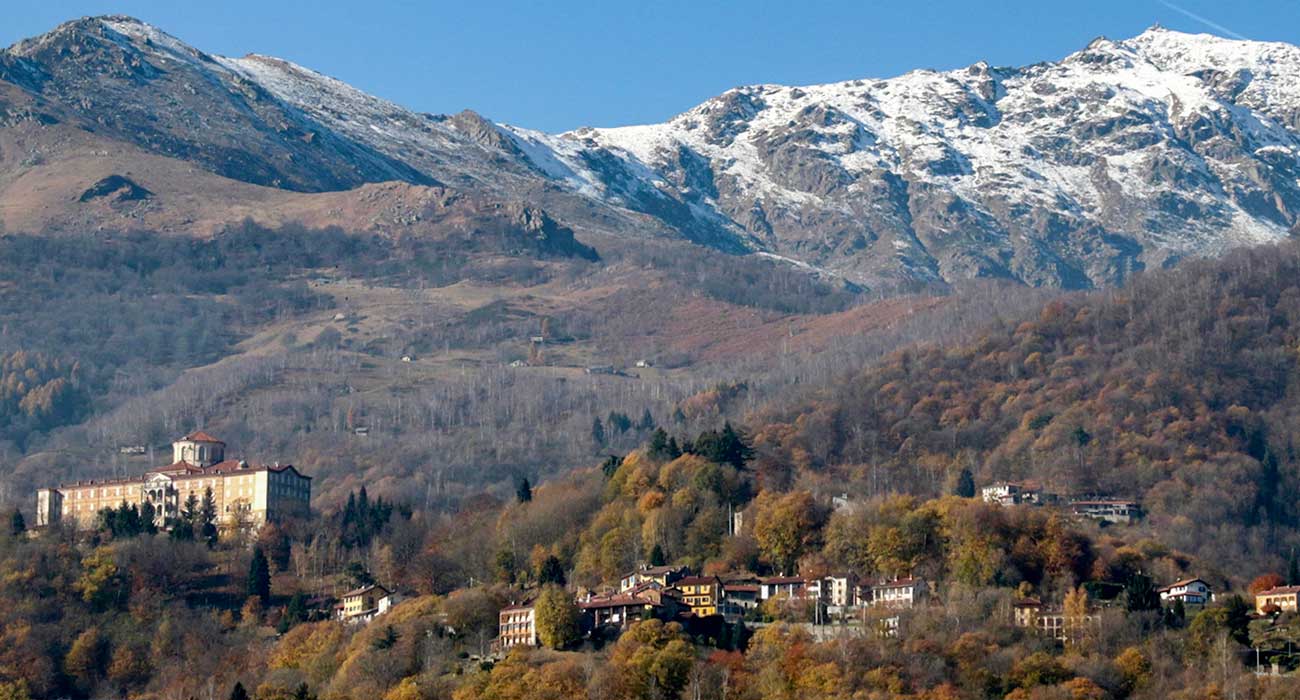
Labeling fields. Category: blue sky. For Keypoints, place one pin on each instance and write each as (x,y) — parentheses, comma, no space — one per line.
(561,64)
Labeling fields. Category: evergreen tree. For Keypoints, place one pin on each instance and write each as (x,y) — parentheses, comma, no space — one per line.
(359,575)
(610,465)
(1140,594)
(350,510)
(208,518)
(1293,570)
(524,492)
(17,525)
(302,693)
(657,556)
(618,422)
(295,612)
(551,571)
(736,449)
(965,484)
(147,516)
(259,576)
(659,444)
(598,432)
(238,692)
(647,421)
(505,566)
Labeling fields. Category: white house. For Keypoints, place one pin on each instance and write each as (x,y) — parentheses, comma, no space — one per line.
(900,593)
(1192,591)
(1007,493)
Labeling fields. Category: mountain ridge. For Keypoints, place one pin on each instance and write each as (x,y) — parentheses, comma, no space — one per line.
(1126,155)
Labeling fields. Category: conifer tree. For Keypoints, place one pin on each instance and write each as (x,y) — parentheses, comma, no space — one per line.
(17,525)
(238,692)
(657,556)
(965,484)
(259,576)
(524,492)
(598,432)
(208,518)
(551,572)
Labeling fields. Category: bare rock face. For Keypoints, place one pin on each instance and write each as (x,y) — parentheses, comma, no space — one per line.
(1123,156)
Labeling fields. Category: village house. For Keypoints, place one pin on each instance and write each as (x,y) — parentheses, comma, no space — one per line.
(899,593)
(1279,599)
(516,626)
(1025,612)
(791,587)
(245,495)
(365,604)
(1008,493)
(1191,591)
(623,609)
(1107,510)
(702,594)
(663,575)
(741,594)
(1053,623)
(841,591)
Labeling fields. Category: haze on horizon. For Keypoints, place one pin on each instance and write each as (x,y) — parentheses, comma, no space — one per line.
(559,66)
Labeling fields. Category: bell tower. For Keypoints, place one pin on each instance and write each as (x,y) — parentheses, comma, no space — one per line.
(199,449)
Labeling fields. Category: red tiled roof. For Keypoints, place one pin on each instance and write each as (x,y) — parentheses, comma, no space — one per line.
(740,588)
(1184,582)
(200,436)
(696,580)
(1280,590)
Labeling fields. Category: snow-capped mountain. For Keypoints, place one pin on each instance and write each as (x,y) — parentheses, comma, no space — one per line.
(1126,155)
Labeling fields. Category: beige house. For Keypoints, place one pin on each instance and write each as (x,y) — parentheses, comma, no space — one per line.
(517,626)
(245,495)
(1279,599)
(365,603)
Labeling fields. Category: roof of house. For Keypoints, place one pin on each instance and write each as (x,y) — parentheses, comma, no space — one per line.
(365,589)
(740,587)
(1104,502)
(225,467)
(615,601)
(654,571)
(1280,590)
(781,580)
(1179,584)
(896,583)
(697,581)
(1028,603)
(200,436)
(518,606)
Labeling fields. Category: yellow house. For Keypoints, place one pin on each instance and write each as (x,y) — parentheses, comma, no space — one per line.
(364,603)
(702,594)
(1280,599)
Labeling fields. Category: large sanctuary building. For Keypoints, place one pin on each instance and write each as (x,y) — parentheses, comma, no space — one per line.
(245,495)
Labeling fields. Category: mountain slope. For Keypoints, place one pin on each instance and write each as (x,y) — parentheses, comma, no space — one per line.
(1123,156)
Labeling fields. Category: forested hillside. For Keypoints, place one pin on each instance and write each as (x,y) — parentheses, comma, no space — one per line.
(1178,390)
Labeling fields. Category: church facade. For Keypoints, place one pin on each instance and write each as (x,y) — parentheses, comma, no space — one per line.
(245,495)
